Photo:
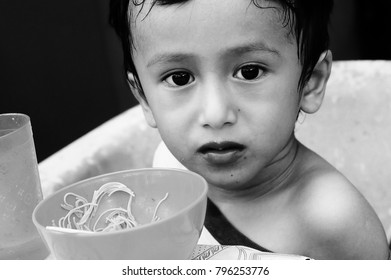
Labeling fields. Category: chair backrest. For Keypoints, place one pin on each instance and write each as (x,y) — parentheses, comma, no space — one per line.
(352,130)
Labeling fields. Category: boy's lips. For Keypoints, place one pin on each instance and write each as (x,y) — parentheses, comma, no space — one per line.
(221,152)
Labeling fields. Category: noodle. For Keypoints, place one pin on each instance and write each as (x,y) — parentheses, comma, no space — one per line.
(81,212)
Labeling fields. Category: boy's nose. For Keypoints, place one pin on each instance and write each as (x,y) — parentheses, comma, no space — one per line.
(218,109)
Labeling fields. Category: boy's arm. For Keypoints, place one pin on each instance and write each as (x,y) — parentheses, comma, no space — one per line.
(340,222)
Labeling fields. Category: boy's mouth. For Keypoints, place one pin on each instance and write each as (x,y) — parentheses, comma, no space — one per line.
(221,152)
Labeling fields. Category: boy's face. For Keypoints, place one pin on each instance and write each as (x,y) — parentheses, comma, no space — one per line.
(220,79)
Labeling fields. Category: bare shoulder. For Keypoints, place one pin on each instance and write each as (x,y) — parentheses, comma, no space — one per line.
(336,220)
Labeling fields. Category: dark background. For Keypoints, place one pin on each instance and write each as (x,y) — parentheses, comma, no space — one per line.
(60,62)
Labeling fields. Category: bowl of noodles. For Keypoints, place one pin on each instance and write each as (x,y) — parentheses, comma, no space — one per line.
(152,213)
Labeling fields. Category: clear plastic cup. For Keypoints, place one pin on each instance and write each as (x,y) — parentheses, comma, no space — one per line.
(20,190)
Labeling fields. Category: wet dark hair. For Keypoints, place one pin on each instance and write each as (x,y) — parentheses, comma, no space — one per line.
(307,20)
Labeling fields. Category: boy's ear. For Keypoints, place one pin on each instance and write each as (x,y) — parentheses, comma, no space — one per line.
(314,90)
(137,92)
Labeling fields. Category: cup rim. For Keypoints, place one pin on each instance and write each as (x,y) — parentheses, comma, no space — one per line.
(25,117)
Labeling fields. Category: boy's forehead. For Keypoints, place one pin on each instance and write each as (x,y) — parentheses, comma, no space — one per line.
(140,11)
(150,17)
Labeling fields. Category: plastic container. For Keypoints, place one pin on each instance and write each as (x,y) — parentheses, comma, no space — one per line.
(174,236)
(20,190)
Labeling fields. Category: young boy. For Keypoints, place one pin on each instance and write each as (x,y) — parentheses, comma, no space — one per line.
(224,81)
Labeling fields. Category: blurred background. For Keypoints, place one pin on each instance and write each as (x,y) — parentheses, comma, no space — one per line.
(61,63)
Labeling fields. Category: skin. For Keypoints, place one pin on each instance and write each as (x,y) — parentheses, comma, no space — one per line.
(228,72)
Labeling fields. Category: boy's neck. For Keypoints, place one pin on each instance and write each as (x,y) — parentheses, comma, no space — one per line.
(274,177)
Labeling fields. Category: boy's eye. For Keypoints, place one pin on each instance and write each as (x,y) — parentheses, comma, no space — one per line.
(178,79)
(249,72)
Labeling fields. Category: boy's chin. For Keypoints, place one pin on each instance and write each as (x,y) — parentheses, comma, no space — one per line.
(223,180)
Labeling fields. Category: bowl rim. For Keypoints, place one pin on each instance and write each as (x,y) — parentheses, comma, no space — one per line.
(88,234)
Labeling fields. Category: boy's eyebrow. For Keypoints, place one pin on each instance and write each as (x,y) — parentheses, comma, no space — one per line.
(169,57)
(252,47)
(234,51)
